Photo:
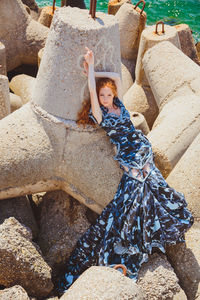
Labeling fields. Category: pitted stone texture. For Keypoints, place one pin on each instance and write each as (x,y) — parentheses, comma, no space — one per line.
(103,283)
(20,261)
(4,97)
(185,259)
(23,86)
(170,71)
(127,80)
(20,209)
(187,42)
(149,39)
(2,59)
(157,280)
(60,73)
(22,36)
(140,98)
(15,102)
(62,223)
(114,6)
(131,25)
(185,177)
(14,293)
(139,122)
(175,128)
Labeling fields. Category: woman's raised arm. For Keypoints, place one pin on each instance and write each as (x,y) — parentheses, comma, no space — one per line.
(96,110)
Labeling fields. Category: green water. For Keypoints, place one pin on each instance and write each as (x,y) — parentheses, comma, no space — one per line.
(172,12)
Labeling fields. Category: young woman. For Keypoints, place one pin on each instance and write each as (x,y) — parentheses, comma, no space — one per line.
(145,214)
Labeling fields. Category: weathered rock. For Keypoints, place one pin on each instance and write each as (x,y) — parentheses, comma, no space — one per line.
(62,222)
(103,283)
(157,280)
(165,62)
(140,98)
(23,86)
(127,79)
(47,149)
(15,102)
(2,59)
(114,6)
(139,122)
(187,42)
(20,209)
(20,261)
(175,128)
(185,176)
(130,65)
(185,259)
(22,36)
(4,97)
(131,25)
(14,293)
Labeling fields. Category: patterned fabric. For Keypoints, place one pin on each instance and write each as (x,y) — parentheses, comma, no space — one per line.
(145,213)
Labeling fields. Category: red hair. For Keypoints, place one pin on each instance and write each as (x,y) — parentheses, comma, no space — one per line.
(83,117)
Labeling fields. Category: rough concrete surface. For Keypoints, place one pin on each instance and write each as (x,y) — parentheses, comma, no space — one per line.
(14,293)
(20,261)
(15,102)
(103,283)
(2,59)
(185,176)
(4,97)
(20,209)
(62,223)
(131,25)
(22,36)
(168,79)
(185,259)
(157,280)
(175,128)
(23,86)
(127,80)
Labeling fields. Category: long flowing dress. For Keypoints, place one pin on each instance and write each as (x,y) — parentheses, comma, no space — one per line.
(145,213)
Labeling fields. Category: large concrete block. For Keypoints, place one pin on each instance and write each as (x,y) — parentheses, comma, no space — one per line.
(174,130)
(103,283)
(65,47)
(4,97)
(49,152)
(127,80)
(149,39)
(187,42)
(114,6)
(15,102)
(23,86)
(139,122)
(185,176)
(170,73)
(131,25)
(14,293)
(157,280)
(22,36)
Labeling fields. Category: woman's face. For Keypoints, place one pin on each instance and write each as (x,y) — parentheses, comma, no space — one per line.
(106,97)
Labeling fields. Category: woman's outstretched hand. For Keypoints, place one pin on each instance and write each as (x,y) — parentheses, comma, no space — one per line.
(89,56)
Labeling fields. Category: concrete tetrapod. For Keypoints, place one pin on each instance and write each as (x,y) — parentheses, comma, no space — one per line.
(4,97)
(170,73)
(139,97)
(47,149)
(22,36)
(23,85)
(2,59)
(175,128)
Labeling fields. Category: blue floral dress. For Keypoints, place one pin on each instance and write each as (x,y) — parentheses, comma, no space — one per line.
(145,213)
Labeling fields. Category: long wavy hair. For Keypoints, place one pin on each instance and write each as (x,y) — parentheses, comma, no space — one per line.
(83,117)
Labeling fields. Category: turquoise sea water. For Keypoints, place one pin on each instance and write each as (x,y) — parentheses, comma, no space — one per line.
(172,12)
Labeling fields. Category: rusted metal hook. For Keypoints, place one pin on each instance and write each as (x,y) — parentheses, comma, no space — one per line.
(142,1)
(156,29)
(93,5)
(121,267)
(54,3)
